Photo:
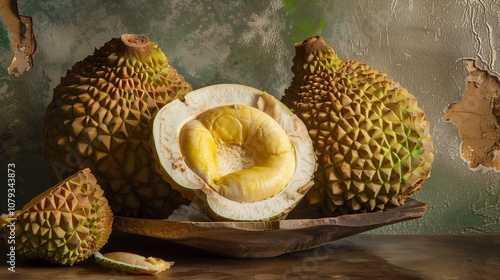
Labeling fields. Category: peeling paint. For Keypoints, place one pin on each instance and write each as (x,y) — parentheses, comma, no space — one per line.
(477,117)
(22,39)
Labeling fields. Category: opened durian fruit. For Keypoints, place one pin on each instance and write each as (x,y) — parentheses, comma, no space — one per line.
(100,117)
(371,139)
(234,150)
(65,224)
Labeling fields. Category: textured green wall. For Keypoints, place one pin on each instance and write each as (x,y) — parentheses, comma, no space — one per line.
(418,43)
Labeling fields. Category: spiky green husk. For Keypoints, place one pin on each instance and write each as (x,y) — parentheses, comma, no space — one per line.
(371,139)
(65,224)
(100,118)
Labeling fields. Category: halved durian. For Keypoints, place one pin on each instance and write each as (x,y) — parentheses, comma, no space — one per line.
(236,151)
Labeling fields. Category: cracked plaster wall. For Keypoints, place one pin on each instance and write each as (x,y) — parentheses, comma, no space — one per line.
(418,43)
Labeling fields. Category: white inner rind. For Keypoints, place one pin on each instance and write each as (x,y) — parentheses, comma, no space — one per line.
(173,116)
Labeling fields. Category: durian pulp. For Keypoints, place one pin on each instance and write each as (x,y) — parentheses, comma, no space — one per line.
(239,151)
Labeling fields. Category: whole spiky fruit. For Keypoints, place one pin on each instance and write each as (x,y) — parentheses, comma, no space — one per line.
(371,139)
(65,224)
(100,118)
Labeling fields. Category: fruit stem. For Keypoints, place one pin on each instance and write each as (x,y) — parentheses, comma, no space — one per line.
(136,45)
(310,44)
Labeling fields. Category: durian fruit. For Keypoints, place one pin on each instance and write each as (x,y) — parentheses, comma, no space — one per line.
(235,151)
(371,139)
(65,224)
(132,263)
(100,118)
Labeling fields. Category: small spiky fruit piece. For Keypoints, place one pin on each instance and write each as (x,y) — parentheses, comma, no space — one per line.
(99,118)
(65,224)
(371,139)
(132,263)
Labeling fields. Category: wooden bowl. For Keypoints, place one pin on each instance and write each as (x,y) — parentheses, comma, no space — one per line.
(269,238)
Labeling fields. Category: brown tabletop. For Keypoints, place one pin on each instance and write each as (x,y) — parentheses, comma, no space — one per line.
(363,256)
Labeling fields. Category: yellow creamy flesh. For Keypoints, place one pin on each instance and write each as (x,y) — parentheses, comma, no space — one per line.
(240,151)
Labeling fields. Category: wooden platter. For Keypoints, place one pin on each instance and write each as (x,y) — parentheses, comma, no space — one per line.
(269,238)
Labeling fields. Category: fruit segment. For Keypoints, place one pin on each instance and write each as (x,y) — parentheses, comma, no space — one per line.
(132,263)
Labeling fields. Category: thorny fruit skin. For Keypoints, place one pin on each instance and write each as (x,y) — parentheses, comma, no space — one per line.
(100,118)
(65,224)
(371,139)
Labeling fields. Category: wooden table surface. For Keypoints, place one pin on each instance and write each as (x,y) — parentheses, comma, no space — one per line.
(363,256)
